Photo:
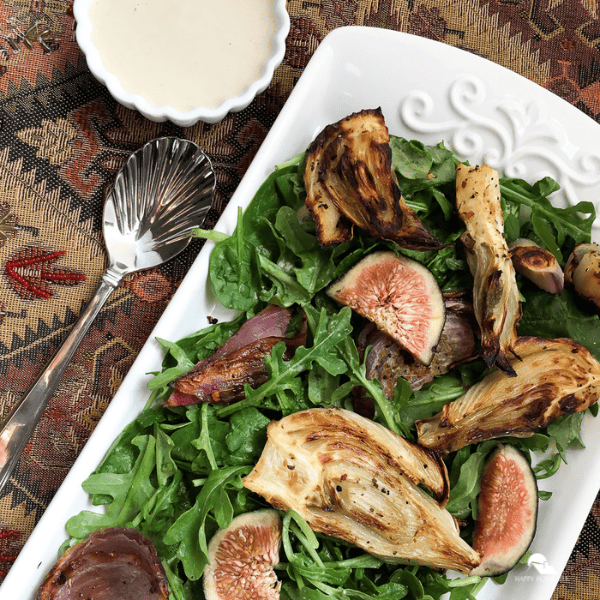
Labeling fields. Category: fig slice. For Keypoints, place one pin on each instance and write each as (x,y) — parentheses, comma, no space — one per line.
(399,295)
(508,503)
(387,362)
(242,558)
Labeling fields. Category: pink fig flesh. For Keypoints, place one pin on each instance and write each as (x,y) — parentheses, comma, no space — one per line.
(242,558)
(507,516)
(399,295)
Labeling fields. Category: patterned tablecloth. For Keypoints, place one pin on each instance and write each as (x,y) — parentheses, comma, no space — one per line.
(62,140)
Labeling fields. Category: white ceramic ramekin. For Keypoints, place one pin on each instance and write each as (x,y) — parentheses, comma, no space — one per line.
(163,113)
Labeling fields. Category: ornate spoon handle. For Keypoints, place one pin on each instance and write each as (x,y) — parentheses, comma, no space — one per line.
(18,429)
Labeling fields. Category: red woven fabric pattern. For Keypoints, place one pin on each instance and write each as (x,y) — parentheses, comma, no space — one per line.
(63,139)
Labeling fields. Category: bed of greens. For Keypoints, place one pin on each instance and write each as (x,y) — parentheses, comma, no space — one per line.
(175,474)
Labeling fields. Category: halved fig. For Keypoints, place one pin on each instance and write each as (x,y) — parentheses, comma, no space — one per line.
(582,271)
(508,503)
(399,295)
(538,265)
(112,563)
(349,180)
(242,558)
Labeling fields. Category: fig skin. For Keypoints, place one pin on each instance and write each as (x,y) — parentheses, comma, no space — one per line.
(242,558)
(507,515)
(399,295)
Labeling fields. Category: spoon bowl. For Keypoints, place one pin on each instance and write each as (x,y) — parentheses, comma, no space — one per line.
(164,190)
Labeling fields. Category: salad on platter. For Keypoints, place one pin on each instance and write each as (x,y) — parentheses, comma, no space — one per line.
(404,366)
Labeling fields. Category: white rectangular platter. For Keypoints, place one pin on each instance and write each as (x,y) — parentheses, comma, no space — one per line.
(427,91)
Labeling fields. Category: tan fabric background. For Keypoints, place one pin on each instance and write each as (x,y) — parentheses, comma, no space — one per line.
(63,138)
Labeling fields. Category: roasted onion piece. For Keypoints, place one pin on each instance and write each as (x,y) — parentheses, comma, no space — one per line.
(538,265)
(221,378)
(112,564)
(582,271)
(495,294)
(553,378)
(349,179)
(351,478)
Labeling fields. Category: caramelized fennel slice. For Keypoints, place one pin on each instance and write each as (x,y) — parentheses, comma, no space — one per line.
(553,378)
(332,227)
(349,179)
(495,294)
(351,478)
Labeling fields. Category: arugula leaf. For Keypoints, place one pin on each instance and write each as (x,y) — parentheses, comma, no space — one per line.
(330,333)
(317,269)
(467,467)
(247,436)
(357,374)
(190,532)
(420,167)
(410,157)
(426,402)
(128,492)
(287,290)
(552,226)
(566,433)
(235,270)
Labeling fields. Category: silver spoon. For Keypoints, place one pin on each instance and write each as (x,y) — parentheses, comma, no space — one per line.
(164,190)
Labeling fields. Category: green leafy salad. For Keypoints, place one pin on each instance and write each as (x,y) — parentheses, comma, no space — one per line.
(175,473)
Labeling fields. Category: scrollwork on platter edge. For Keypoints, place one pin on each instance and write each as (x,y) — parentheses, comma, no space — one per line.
(519,138)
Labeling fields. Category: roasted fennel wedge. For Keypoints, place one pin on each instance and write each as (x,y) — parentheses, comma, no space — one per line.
(350,181)
(553,378)
(353,479)
(495,293)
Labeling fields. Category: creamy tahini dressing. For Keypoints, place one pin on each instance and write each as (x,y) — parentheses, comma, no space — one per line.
(184,53)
